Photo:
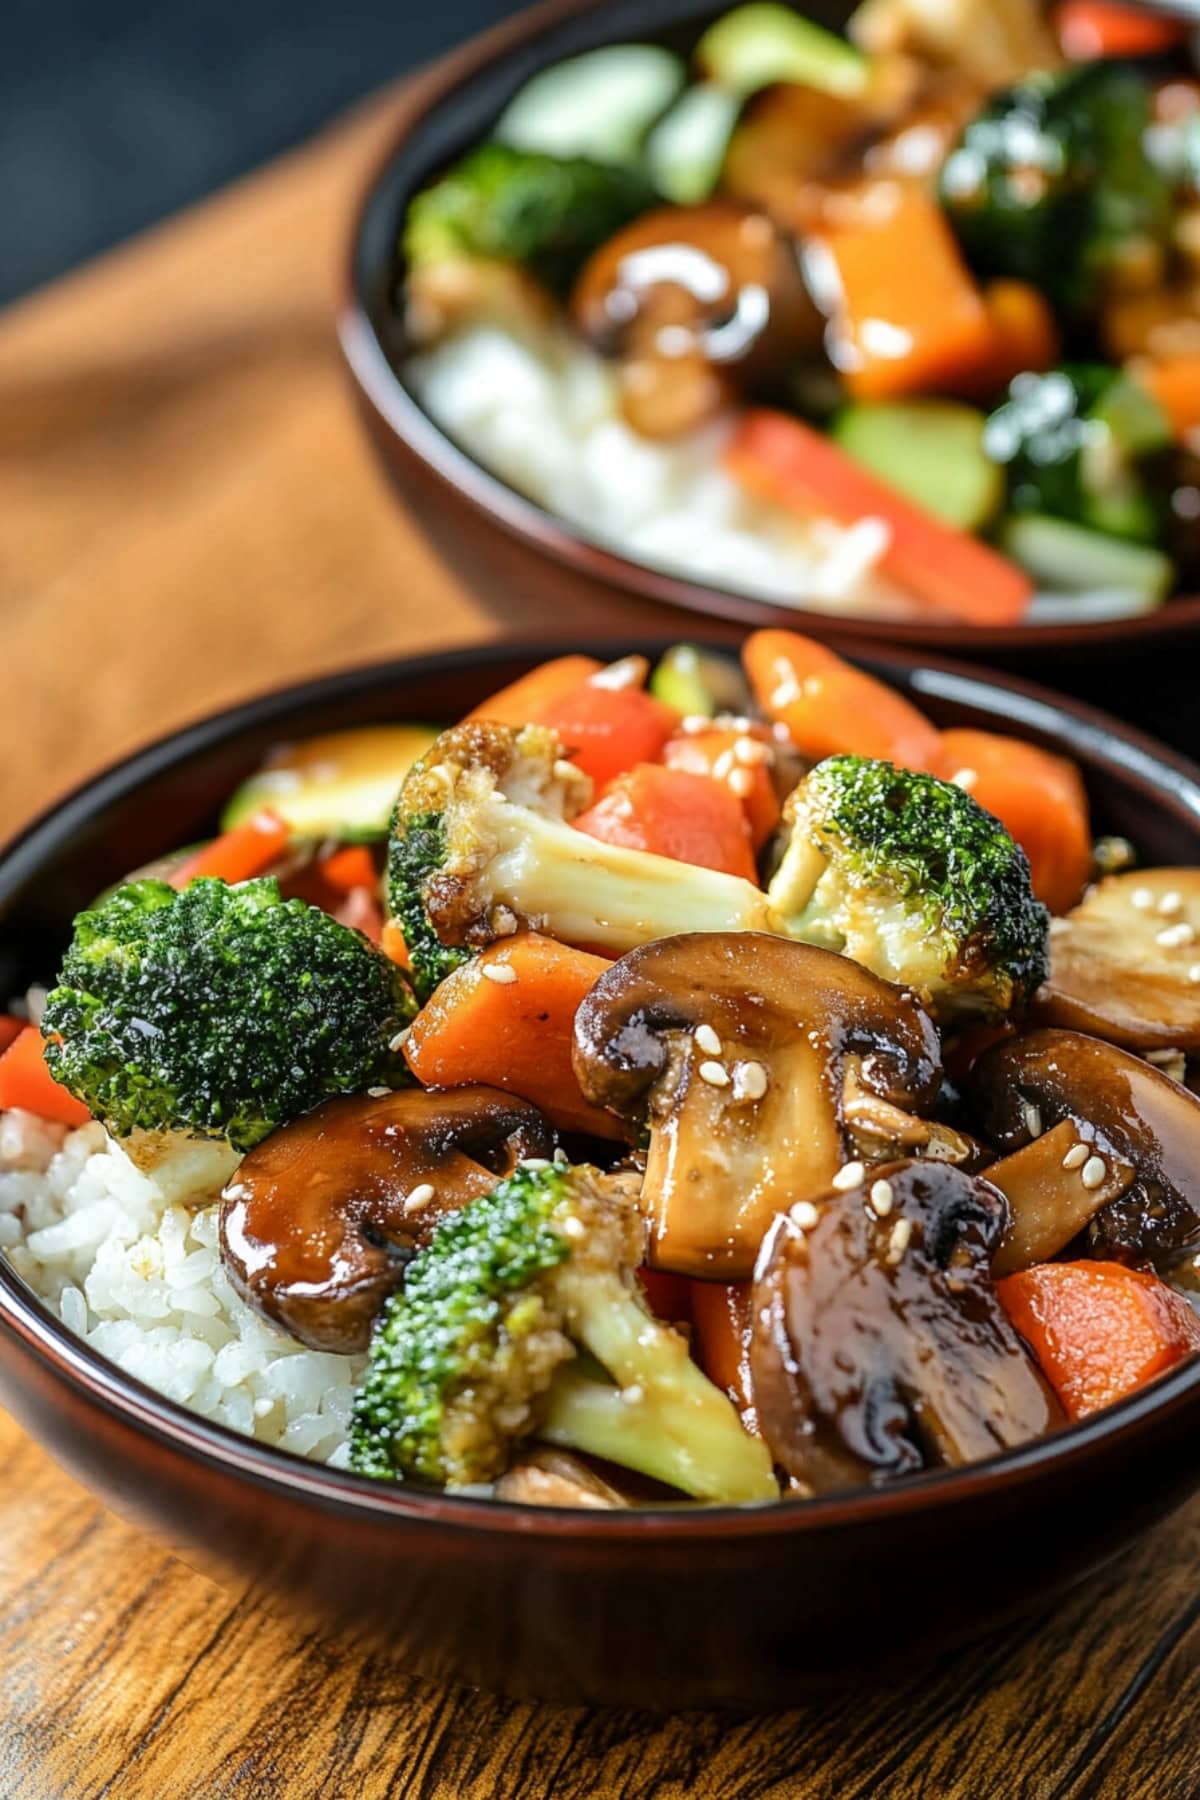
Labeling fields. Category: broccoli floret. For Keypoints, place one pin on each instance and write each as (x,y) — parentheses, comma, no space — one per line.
(912,878)
(480,1350)
(1052,182)
(481,844)
(546,212)
(220,1011)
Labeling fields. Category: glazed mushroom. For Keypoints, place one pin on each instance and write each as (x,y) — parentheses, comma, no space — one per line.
(732,1047)
(545,1476)
(693,300)
(1125,964)
(319,1219)
(879,1344)
(1124,1136)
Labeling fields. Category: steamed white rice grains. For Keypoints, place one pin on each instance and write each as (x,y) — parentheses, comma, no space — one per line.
(138,1274)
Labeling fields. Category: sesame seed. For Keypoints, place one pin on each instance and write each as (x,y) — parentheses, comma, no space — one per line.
(741,783)
(1142,898)
(805,1215)
(881,1197)
(966,778)
(750,752)
(1174,937)
(504,921)
(379,1093)
(401,1038)
(500,973)
(692,724)
(849,1176)
(633,1395)
(707,1040)
(898,1242)
(750,1081)
(723,767)
(1193,974)
(420,1197)
(262,1407)
(714,1073)
(1093,1172)
(1032,1118)
(1170,904)
(573,1228)
(560,1158)
(627,672)
(536,1163)
(564,770)
(1162,1057)
(1076,1156)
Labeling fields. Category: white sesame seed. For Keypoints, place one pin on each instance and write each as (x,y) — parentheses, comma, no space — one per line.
(505,921)
(379,1093)
(420,1197)
(1193,974)
(627,672)
(714,1073)
(692,724)
(1170,904)
(262,1407)
(898,1242)
(749,1081)
(633,1395)
(1174,937)
(723,767)
(564,770)
(805,1215)
(707,1040)
(1093,1172)
(560,1157)
(881,1197)
(573,1228)
(1032,1118)
(1142,898)
(1076,1156)
(536,1163)
(1162,1056)
(741,783)
(849,1176)
(750,752)
(500,973)
(966,778)
(401,1038)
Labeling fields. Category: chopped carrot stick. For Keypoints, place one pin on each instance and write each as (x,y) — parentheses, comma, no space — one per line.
(10,1028)
(524,700)
(1025,337)
(239,854)
(1098,1330)
(722,1321)
(392,944)
(349,868)
(1039,798)
(689,818)
(1091,29)
(741,760)
(830,707)
(1175,384)
(607,730)
(507,1018)
(26,1082)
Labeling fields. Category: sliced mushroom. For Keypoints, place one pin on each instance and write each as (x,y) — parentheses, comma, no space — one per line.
(545,1476)
(732,1047)
(319,1219)
(693,299)
(880,1346)
(879,1131)
(1125,964)
(1124,1115)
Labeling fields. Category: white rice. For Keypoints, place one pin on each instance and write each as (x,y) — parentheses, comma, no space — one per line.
(544,415)
(137,1273)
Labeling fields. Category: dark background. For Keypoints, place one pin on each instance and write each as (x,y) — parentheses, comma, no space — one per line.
(115,112)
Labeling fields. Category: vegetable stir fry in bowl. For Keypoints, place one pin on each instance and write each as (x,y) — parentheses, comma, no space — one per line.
(660,1085)
(900,322)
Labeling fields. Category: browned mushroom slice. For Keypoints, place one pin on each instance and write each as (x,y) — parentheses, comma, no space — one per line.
(692,299)
(731,1047)
(317,1220)
(1127,1118)
(1125,964)
(879,1131)
(1048,1203)
(879,1344)
(545,1476)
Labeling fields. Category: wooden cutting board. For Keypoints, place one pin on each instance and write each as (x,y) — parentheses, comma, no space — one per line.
(187,514)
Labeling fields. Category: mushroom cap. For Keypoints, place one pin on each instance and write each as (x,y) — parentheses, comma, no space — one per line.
(319,1219)
(1123,1108)
(740,1131)
(879,1344)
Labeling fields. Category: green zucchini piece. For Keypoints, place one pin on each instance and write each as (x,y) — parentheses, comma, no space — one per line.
(757,45)
(599,105)
(1070,559)
(685,152)
(698,684)
(342,785)
(929,450)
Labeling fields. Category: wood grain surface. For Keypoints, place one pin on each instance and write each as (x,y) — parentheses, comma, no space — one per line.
(187,514)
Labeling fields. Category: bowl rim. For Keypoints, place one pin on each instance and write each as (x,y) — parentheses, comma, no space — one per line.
(392,401)
(99,1381)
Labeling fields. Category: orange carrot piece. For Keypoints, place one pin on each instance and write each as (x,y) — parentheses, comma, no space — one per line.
(507,1018)
(907,315)
(689,818)
(1039,798)
(1091,29)
(722,1322)
(1175,384)
(729,757)
(952,574)
(607,730)
(1098,1330)
(524,701)
(26,1082)
(239,854)
(830,707)
(1025,337)
(349,868)
(392,943)
(10,1028)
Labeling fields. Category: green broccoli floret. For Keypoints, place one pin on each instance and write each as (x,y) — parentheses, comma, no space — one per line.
(546,212)
(480,1350)
(220,1011)
(1053,182)
(481,844)
(912,878)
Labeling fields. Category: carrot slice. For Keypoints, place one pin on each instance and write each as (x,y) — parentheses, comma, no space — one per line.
(1098,1330)
(1175,384)
(507,1018)
(239,854)
(1090,29)
(1025,336)
(690,818)
(722,1321)
(607,730)
(741,760)
(350,868)
(1039,798)
(26,1082)
(952,574)
(10,1028)
(829,707)
(391,942)
(524,700)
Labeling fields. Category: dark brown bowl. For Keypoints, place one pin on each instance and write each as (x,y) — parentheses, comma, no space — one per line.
(512,552)
(668,1607)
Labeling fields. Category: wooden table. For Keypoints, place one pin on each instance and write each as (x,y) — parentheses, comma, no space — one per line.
(187,513)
